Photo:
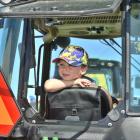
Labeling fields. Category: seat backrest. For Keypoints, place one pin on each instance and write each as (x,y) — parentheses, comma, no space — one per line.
(106,101)
(83,104)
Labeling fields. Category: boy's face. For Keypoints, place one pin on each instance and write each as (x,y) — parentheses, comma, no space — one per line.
(68,72)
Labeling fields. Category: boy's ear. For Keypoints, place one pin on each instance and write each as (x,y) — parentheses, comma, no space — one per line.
(83,70)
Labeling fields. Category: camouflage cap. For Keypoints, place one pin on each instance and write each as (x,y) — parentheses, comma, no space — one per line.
(73,55)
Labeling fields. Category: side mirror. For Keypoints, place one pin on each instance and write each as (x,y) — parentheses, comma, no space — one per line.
(62,41)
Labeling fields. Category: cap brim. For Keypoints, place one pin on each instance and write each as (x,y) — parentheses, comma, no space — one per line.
(56,60)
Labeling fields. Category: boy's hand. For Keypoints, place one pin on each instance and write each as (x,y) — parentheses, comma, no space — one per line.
(83,83)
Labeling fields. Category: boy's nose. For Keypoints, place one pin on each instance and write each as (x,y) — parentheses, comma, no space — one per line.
(66,67)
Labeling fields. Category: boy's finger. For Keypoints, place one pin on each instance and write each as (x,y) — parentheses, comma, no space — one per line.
(82,84)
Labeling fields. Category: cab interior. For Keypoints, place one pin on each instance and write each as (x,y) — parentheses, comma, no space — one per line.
(44,37)
(105,71)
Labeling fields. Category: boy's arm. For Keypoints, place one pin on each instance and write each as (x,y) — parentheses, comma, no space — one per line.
(53,85)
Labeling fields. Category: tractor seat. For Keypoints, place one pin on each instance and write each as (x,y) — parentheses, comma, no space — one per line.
(79,104)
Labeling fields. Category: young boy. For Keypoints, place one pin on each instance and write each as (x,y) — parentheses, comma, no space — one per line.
(72,65)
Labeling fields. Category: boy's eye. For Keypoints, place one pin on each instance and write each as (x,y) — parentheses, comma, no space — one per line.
(61,65)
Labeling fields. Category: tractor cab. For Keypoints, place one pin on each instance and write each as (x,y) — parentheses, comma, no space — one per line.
(33,33)
(107,74)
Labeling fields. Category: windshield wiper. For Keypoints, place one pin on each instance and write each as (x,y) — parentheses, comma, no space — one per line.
(121,48)
(109,44)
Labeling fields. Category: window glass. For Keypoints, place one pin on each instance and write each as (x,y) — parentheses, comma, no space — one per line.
(98,50)
(33,71)
(11,39)
(135,59)
(83,6)
(16,67)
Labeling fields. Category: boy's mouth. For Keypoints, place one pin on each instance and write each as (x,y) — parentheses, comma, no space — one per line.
(65,75)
